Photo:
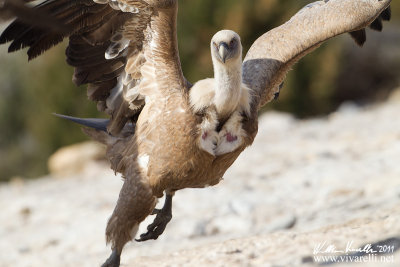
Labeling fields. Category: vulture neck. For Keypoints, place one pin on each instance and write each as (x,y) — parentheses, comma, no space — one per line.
(228,91)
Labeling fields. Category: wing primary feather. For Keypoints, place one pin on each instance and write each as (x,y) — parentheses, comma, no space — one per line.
(45,44)
(12,31)
(24,39)
(98,124)
(276,96)
(80,17)
(377,25)
(26,14)
(360,37)
(386,14)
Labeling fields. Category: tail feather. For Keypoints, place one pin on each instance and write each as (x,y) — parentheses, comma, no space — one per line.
(98,124)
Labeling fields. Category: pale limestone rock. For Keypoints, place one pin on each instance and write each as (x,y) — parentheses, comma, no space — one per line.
(73,159)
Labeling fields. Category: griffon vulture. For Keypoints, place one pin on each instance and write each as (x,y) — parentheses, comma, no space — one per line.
(165,134)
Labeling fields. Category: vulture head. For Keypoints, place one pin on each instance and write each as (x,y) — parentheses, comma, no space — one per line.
(226,47)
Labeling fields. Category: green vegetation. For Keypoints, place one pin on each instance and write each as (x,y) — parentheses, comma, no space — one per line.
(31,92)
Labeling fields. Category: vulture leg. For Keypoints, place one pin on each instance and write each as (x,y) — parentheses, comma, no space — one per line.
(159,224)
(113,260)
(136,201)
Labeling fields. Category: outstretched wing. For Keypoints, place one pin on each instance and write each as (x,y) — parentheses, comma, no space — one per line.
(274,53)
(108,40)
(10,9)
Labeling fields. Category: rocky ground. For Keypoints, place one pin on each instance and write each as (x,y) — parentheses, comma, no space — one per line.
(328,181)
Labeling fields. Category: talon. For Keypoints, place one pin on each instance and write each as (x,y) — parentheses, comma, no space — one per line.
(151,226)
(164,216)
(155,229)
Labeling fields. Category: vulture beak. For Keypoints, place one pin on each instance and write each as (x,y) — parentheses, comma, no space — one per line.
(223,51)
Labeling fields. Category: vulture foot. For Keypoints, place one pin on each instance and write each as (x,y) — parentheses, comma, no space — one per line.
(159,224)
(113,260)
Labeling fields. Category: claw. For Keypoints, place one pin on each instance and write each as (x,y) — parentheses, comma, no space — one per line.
(163,217)
(155,229)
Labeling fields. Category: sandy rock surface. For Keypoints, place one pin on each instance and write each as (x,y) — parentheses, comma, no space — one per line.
(335,180)
(73,159)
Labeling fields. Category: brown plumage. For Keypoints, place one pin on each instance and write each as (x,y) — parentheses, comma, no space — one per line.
(10,9)
(165,135)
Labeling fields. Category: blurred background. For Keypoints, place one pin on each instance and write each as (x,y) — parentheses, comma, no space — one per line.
(337,72)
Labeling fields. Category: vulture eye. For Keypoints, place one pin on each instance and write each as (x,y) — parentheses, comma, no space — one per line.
(232,42)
